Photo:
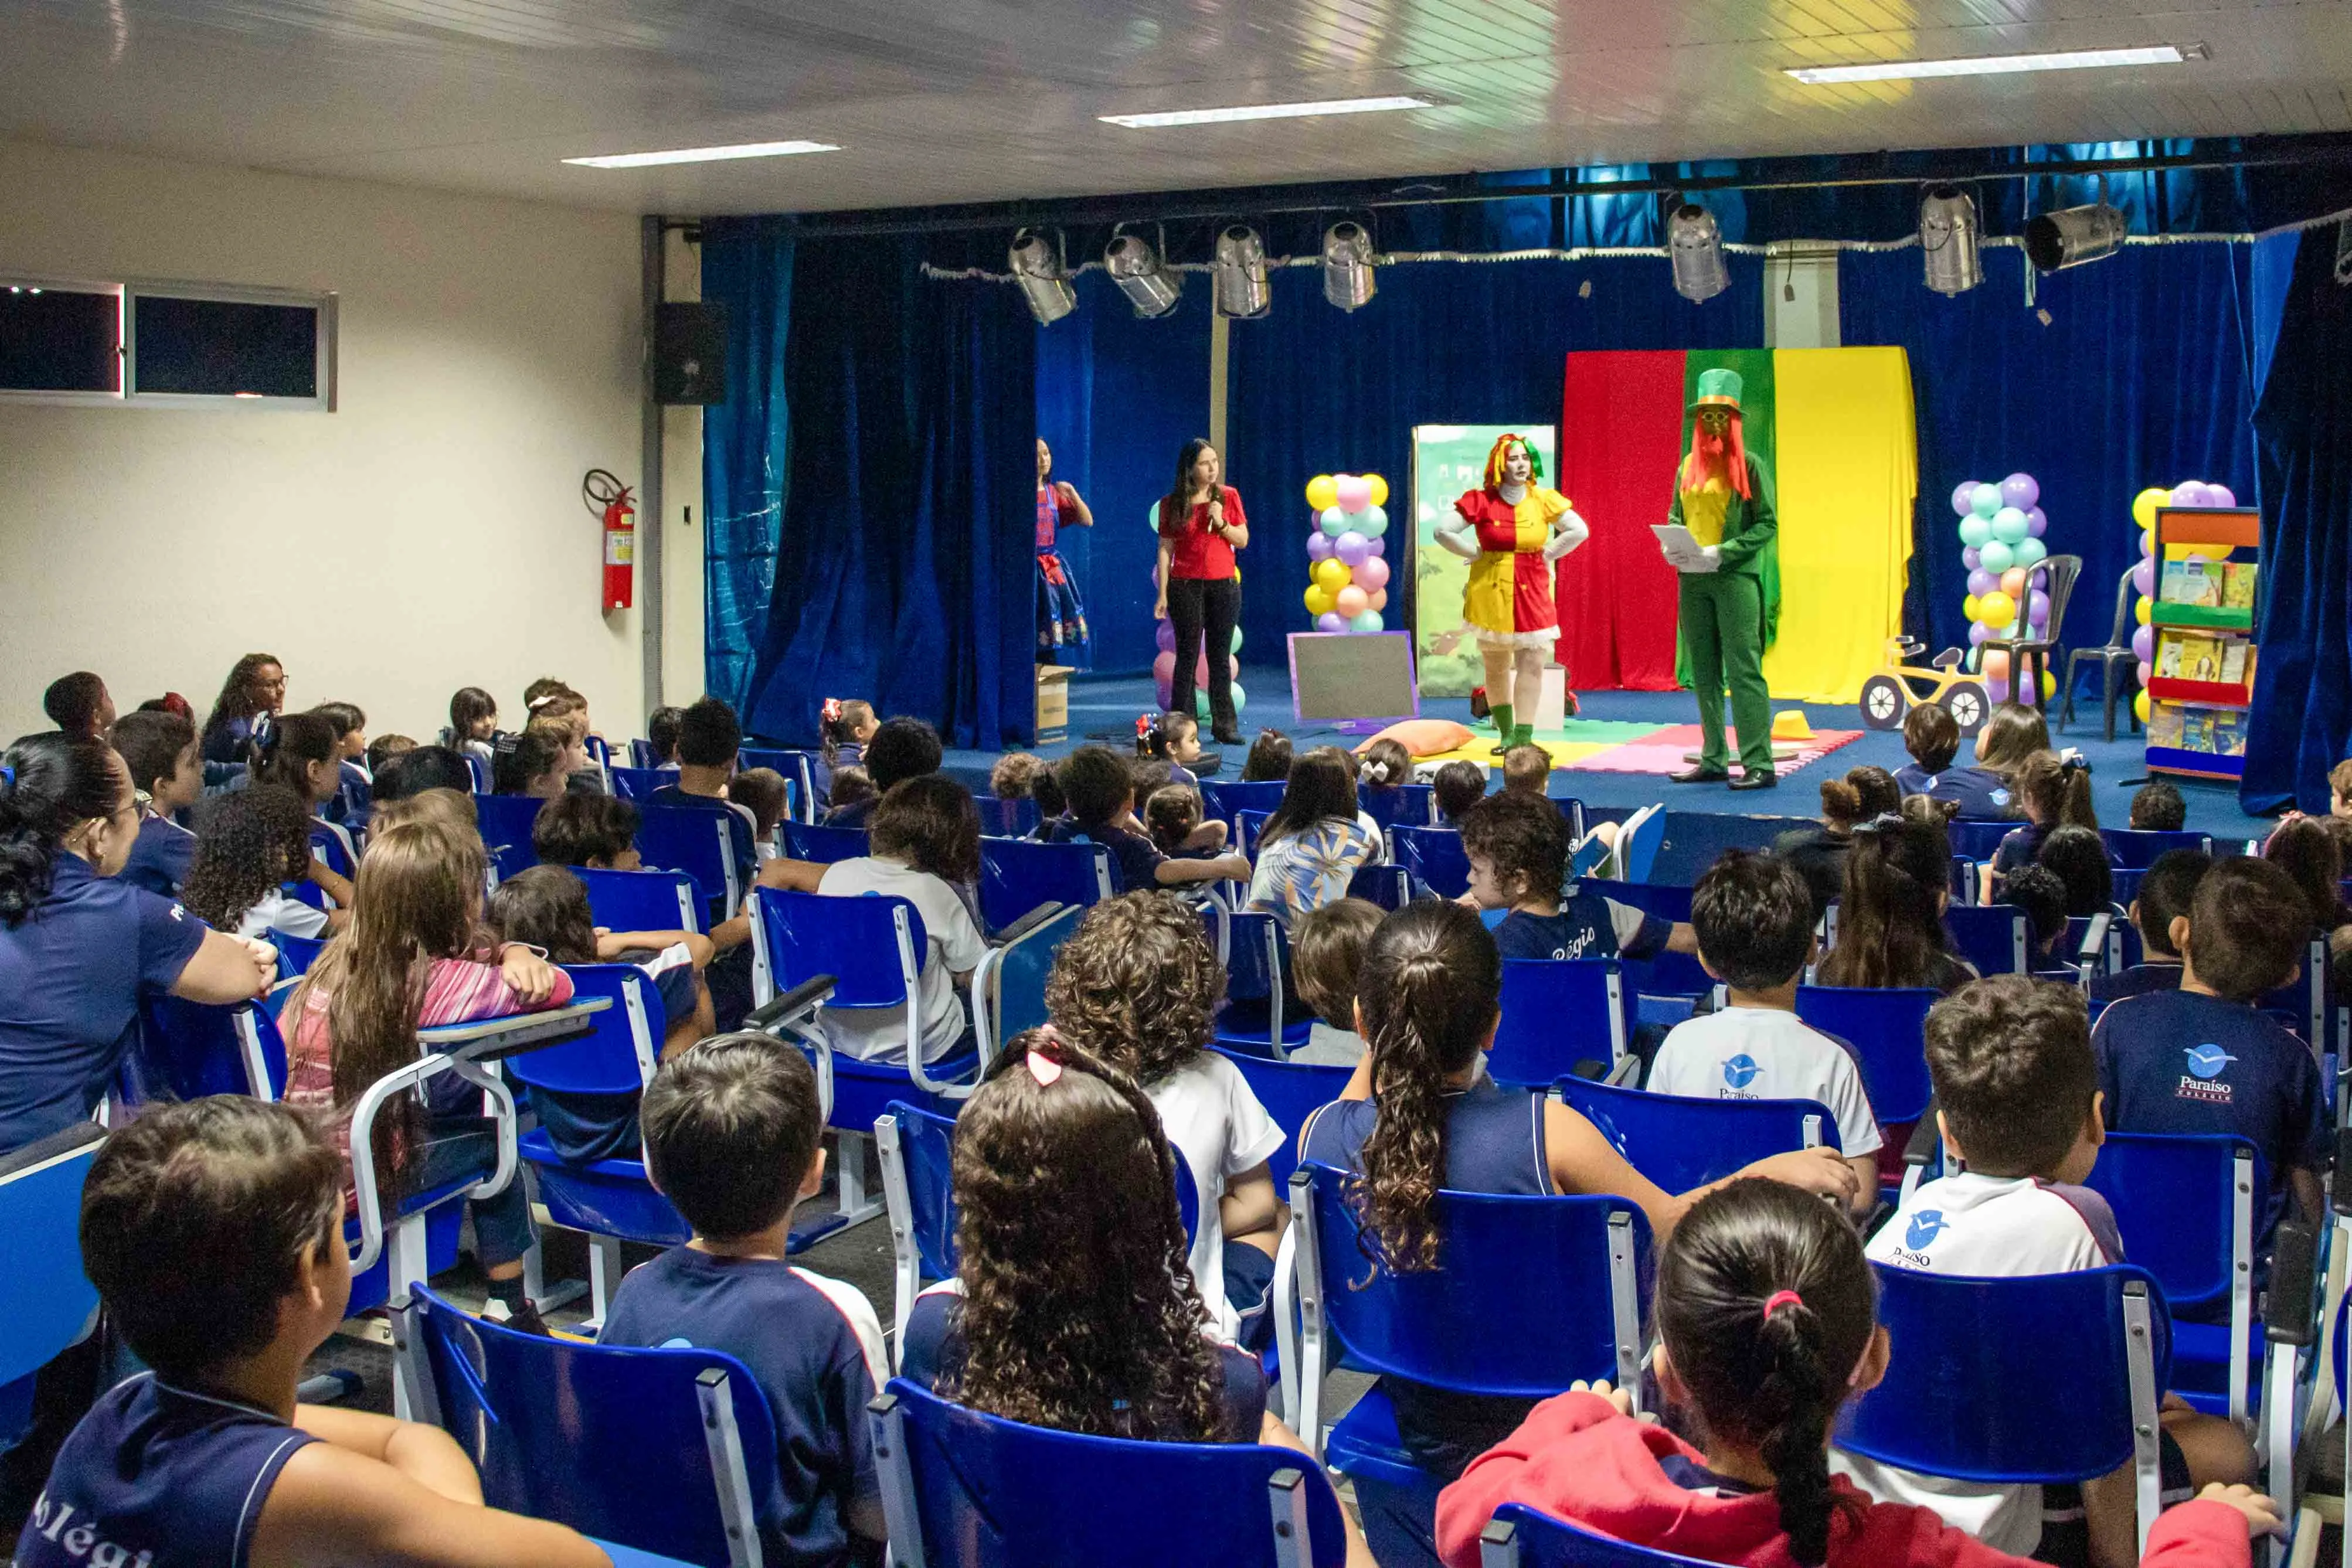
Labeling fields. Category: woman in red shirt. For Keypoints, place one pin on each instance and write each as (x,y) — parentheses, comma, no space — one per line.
(1200,527)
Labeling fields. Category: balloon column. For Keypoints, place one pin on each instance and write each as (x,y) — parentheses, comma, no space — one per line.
(1347,569)
(2188,492)
(2009,600)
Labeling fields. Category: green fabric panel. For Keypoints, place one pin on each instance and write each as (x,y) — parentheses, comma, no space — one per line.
(1757,406)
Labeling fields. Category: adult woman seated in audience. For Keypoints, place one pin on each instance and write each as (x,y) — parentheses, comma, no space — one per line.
(255,690)
(78,949)
(1820,854)
(1891,913)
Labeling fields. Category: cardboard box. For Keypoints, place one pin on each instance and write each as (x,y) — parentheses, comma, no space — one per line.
(1053,704)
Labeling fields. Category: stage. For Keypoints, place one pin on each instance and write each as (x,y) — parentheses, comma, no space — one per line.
(1106,706)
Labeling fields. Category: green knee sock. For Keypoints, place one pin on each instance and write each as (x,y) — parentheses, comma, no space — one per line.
(1523,735)
(1502,712)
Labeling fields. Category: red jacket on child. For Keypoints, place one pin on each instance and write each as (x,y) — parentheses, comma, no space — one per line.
(1577,1459)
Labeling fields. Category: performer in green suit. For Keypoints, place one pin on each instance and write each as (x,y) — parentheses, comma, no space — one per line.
(1724,497)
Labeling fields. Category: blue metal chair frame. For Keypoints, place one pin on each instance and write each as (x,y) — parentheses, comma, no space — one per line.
(1992,936)
(1638,843)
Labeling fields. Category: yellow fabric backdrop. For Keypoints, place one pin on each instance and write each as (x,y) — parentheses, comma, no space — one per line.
(1847,464)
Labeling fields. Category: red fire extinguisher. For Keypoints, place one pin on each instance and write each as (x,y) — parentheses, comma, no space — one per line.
(609,498)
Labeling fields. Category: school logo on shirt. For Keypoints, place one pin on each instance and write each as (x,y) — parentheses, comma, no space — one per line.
(1917,1236)
(1998,797)
(2205,1065)
(178,913)
(1739,1072)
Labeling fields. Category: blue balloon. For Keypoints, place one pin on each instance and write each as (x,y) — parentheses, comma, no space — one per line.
(2009,525)
(1975,532)
(2029,551)
(1334,522)
(1997,557)
(1369,620)
(1986,501)
(1237,641)
(1372,522)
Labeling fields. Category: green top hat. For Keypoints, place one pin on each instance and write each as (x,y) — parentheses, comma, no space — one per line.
(1718,388)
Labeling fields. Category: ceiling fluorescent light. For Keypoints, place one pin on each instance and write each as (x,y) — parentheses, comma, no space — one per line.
(1990,65)
(704,155)
(1264,111)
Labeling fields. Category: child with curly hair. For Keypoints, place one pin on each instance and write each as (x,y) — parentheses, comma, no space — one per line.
(251,843)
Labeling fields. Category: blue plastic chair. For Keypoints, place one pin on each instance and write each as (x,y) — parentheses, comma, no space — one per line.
(1249,827)
(1258,957)
(1436,858)
(1405,805)
(1008,989)
(800,777)
(1994,937)
(1017,875)
(2185,1206)
(1978,840)
(1260,795)
(296,953)
(642,900)
(506,823)
(1013,818)
(1530,1295)
(1664,899)
(633,783)
(47,1305)
(1390,886)
(2035,1379)
(188,1049)
(641,756)
(1291,1091)
(1519,1537)
(666,1451)
(2136,849)
(2304,998)
(1572,810)
(1556,1013)
(1888,1031)
(978,1490)
(709,844)
(824,846)
(1682,1142)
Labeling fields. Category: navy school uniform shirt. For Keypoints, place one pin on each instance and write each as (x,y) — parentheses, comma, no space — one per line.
(1982,795)
(1494,1143)
(933,1356)
(160,857)
(739,836)
(2018,847)
(71,976)
(851,815)
(815,1347)
(2179,1062)
(1586,926)
(159,1476)
(1134,859)
(2136,981)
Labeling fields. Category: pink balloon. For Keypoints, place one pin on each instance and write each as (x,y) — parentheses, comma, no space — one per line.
(1318,545)
(1355,493)
(1373,574)
(1233,667)
(1379,599)
(2219,495)
(1200,670)
(1351,602)
(1163,668)
(2145,670)
(2035,522)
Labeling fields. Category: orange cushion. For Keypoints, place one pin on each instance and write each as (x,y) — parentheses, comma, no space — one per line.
(1423,736)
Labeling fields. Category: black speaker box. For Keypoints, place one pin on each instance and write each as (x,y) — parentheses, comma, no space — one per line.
(690,354)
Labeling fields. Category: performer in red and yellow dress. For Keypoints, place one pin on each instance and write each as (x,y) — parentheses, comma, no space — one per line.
(1512,533)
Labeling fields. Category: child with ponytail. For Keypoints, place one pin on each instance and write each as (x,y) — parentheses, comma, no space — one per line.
(1890,917)
(1421,1114)
(1767,1313)
(1386,770)
(2054,792)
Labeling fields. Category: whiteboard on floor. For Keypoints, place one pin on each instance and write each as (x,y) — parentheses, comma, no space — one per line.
(1340,676)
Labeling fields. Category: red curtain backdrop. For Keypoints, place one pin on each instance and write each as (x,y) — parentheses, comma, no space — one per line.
(1619,436)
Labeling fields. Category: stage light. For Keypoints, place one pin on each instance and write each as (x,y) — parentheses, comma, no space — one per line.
(703,154)
(1993,65)
(1348,267)
(2073,235)
(1948,239)
(1264,111)
(1240,273)
(1136,267)
(1694,245)
(1045,283)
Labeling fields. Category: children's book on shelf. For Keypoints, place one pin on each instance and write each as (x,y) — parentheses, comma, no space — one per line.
(2238,580)
(2164,727)
(2237,663)
(2192,582)
(2180,656)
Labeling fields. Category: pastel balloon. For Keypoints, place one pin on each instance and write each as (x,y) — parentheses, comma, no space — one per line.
(2143,644)
(1351,548)
(1200,702)
(1333,521)
(1201,669)
(1164,638)
(1369,620)
(2145,504)
(2147,670)
(1373,522)
(1163,668)
(1379,599)
(1237,641)
(1329,622)
(1996,689)
(2035,523)
(1972,607)
(1155,529)
(2012,583)
(1318,600)
(2148,543)
(1355,493)
(2019,490)
(1331,575)
(2139,706)
(1997,609)
(2144,579)
(2037,607)
(1373,575)
(2009,525)
(1980,582)
(1318,545)
(1166,693)
(1970,558)
(1997,557)
(1985,500)
(1977,632)
(1962,494)
(1996,665)
(1976,531)
(2188,492)
(2219,495)
(2040,578)
(1379,547)
(2029,552)
(1322,492)
(1377,489)
(1233,667)
(1351,602)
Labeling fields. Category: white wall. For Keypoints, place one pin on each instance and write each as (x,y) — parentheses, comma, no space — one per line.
(427,535)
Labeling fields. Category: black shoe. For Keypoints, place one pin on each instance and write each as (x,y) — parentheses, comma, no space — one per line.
(524,1319)
(1226,736)
(1698,776)
(1766,779)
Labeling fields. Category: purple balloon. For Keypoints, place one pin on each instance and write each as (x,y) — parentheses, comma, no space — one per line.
(1981,582)
(2019,490)
(2037,607)
(1378,547)
(1977,632)
(1996,689)
(2144,579)
(1960,494)
(1166,638)
(2188,492)
(2040,578)
(2144,643)
(2219,495)
(1331,621)
(2148,543)
(2035,522)
(1351,548)
(1318,545)
(1971,559)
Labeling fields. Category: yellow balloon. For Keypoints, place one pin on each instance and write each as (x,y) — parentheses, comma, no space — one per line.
(1322,492)
(1319,601)
(1972,607)
(2145,504)
(2139,706)
(1331,575)
(1995,609)
(1379,488)
(2141,610)
(2049,685)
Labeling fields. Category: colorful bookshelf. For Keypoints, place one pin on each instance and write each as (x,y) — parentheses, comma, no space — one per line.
(2207,592)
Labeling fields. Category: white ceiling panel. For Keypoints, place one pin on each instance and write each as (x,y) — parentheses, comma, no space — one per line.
(960,101)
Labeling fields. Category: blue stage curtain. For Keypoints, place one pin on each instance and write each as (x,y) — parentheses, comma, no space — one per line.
(2140,376)
(1318,390)
(2302,683)
(747,265)
(904,570)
